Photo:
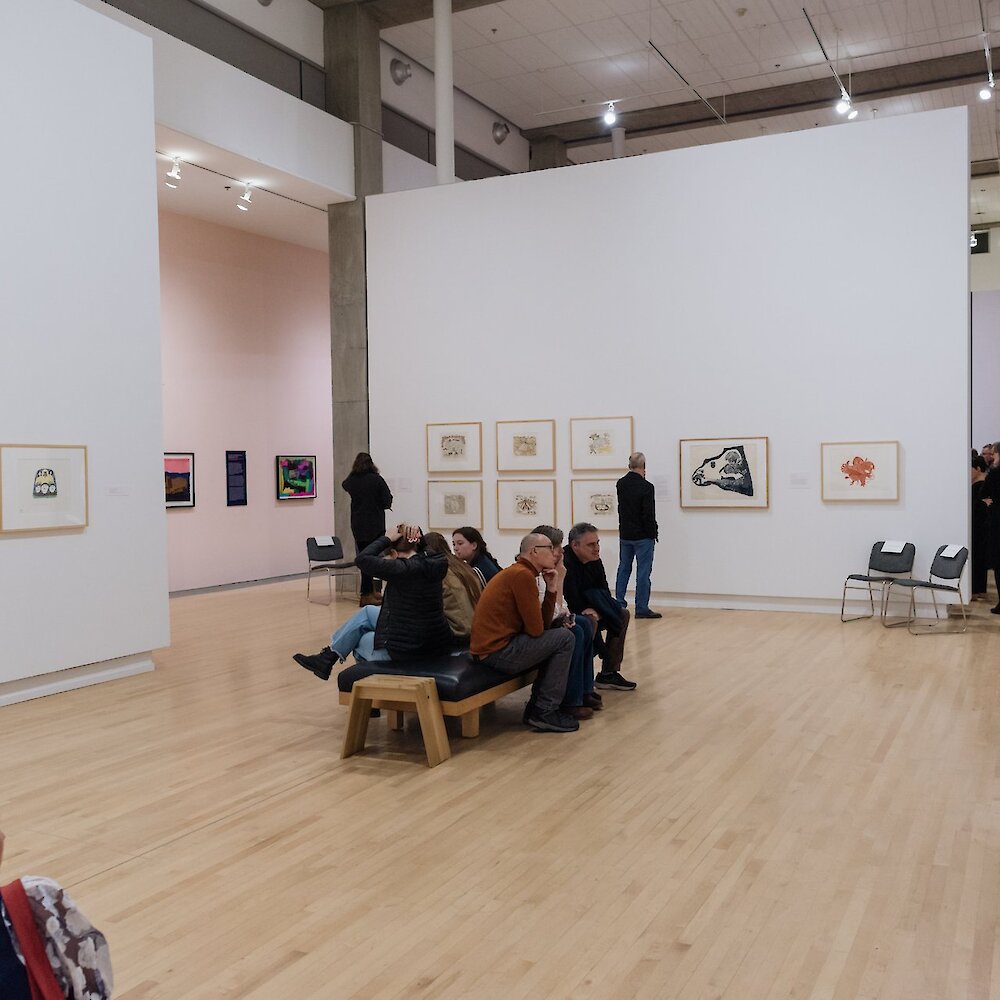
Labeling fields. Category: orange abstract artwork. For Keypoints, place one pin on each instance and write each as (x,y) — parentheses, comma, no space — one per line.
(858,470)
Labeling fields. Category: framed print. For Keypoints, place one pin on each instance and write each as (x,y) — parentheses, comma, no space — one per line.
(723,472)
(236,478)
(43,487)
(596,501)
(859,470)
(296,477)
(526,445)
(454,503)
(455,447)
(522,504)
(600,443)
(178,478)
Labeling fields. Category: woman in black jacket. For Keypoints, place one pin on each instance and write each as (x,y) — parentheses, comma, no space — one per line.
(370,499)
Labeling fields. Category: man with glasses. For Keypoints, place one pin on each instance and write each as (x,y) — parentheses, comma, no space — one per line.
(509,633)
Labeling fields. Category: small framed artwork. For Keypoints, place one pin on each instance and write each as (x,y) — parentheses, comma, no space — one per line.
(859,470)
(454,503)
(178,478)
(724,472)
(236,478)
(43,487)
(600,443)
(596,502)
(526,445)
(522,504)
(295,476)
(455,447)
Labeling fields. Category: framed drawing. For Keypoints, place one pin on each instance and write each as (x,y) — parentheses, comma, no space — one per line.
(295,476)
(454,503)
(524,503)
(236,478)
(526,445)
(724,472)
(596,501)
(600,443)
(43,487)
(178,478)
(455,447)
(859,470)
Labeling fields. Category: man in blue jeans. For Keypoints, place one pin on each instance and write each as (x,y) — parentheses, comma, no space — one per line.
(637,535)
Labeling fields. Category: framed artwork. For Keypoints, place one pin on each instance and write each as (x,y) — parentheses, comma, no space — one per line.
(600,443)
(724,472)
(236,478)
(524,503)
(43,487)
(526,445)
(178,478)
(454,503)
(859,470)
(596,501)
(455,448)
(295,477)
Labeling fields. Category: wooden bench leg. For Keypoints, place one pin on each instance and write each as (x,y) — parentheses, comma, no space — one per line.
(394,718)
(357,725)
(470,724)
(432,726)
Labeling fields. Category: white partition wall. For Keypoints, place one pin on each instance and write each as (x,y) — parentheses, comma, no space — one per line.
(80,328)
(808,287)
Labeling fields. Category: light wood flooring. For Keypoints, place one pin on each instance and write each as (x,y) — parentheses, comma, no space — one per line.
(787,807)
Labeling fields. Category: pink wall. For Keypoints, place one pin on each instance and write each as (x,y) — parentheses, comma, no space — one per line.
(246,365)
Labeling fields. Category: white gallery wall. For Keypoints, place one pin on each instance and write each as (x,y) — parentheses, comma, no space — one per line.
(607,289)
(985,367)
(79,296)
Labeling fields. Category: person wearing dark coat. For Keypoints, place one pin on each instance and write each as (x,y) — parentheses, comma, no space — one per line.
(370,499)
(637,535)
(981,505)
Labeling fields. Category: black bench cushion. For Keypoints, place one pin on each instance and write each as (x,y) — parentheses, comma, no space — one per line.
(457,677)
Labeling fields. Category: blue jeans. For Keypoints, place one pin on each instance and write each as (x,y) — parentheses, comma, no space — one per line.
(642,551)
(581,667)
(357,636)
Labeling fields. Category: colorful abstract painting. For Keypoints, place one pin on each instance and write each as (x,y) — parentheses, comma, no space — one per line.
(178,478)
(296,477)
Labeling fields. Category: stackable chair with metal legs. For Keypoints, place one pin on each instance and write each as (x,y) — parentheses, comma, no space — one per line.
(945,577)
(329,560)
(883,568)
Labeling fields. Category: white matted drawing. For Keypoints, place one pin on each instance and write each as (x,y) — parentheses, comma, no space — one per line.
(455,447)
(523,504)
(724,472)
(43,487)
(526,445)
(600,443)
(454,503)
(859,470)
(596,502)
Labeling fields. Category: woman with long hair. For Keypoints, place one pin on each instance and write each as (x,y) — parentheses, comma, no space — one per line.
(370,499)
(470,547)
(461,588)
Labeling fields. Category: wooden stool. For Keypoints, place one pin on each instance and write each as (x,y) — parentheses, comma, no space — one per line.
(397,695)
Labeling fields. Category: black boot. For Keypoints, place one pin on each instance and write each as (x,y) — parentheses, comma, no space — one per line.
(321,663)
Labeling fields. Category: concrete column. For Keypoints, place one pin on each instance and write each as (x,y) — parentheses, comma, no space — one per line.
(617,142)
(353,93)
(549,151)
(444,93)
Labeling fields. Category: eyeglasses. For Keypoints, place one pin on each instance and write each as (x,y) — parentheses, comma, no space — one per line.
(541,546)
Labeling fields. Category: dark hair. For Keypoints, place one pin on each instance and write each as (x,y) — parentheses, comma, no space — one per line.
(363,463)
(579,530)
(402,544)
(979,463)
(436,542)
(554,535)
(471,534)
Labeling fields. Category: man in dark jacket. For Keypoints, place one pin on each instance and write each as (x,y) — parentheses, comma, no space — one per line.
(637,535)
(586,591)
(411,620)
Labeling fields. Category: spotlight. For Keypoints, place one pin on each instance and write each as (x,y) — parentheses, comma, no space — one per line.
(973,242)
(843,105)
(987,92)
(244,203)
(610,117)
(500,132)
(173,178)
(400,72)
(852,114)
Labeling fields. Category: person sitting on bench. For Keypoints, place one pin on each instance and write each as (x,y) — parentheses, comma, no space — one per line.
(411,620)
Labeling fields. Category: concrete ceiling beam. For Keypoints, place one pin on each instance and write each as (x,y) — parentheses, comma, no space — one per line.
(390,13)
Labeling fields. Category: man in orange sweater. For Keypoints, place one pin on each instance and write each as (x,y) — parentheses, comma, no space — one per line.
(509,633)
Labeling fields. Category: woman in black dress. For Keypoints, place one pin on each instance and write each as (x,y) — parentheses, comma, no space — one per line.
(370,499)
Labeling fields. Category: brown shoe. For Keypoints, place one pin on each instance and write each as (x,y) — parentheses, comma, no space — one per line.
(578,711)
(593,700)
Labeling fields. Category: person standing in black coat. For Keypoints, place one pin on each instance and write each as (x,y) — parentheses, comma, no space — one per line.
(370,499)
(637,535)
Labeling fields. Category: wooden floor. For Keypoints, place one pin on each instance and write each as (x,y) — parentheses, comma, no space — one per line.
(787,807)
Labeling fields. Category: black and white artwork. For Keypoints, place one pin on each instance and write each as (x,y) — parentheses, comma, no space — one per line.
(455,447)
(596,501)
(526,445)
(724,472)
(454,503)
(524,503)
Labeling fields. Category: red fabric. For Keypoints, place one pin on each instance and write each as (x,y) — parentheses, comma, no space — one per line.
(41,978)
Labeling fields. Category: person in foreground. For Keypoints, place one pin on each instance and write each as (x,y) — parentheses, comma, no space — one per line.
(48,948)
(587,593)
(509,633)
(637,535)
(411,620)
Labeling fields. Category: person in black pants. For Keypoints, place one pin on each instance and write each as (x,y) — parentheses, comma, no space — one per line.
(980,529)
(370,499)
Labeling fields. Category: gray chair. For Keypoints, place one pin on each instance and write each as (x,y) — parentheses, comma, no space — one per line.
(945,577)
(883,568)
(328,559)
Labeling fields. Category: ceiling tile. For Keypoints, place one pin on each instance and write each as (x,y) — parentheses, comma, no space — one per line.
(493,23)
(612,36)
(571,44)
(535,15)
(531,54)
(580,11)
(493,61)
